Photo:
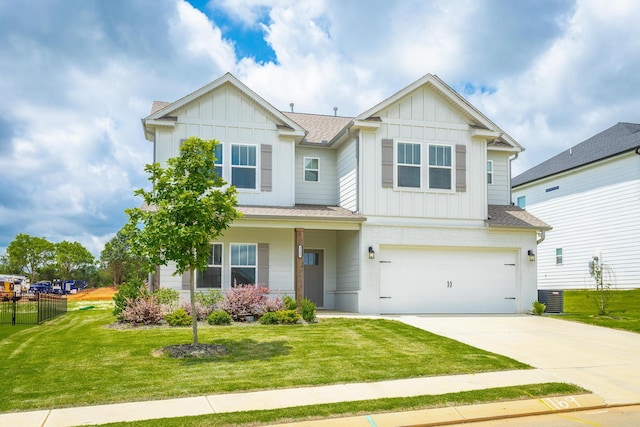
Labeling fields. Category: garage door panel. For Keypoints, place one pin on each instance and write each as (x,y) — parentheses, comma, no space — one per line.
(433,280)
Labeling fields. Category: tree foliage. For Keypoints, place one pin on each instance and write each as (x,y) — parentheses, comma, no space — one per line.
(28,254)
(188,207)
(120,261)
(71,256)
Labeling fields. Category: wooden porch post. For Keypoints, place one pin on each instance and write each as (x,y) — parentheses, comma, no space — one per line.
(299,256)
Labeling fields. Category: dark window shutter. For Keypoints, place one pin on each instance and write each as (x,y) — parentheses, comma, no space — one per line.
(461,168)
(263,264)
(185,281)
(266,172)
(387,163)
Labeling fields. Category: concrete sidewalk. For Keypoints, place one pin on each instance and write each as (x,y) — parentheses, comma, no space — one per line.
(275,399)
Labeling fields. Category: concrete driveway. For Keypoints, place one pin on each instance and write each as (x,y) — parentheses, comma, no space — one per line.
(602,360)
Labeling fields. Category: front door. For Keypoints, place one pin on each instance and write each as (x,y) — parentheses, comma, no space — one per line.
(314,276)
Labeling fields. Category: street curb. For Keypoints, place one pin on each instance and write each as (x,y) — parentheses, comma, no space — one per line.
(463,414)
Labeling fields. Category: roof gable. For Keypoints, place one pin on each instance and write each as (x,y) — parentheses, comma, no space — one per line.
(618,139)
(478,121)
(164,111)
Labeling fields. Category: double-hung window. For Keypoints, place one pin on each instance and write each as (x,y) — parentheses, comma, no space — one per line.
(311,169)
(243,264)
(408,161)
(558,256)
(440,169)
(243,166)
(211,277)
(217,152)
(489,171)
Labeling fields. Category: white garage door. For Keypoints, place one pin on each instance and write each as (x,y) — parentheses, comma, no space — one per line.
(437,280)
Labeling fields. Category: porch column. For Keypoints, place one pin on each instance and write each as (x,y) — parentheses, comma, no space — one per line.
(299,256)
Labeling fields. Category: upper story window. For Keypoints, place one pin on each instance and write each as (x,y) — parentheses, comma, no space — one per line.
(440,169)
(211,277)
(521,202)
(217,152)
(409,165)
(489,171)
(558,256)
(311,169)
(243,166)
(243,264)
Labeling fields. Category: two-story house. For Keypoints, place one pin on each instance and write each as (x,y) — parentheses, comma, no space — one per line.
(402,209)
(591,195)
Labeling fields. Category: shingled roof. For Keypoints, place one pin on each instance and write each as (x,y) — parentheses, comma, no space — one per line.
(617,139)
(321,128)
(510,216)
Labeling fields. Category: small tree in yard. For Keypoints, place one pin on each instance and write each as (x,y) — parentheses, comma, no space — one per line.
(187,209)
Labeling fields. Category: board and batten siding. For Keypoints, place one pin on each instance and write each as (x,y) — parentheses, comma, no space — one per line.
(604,222)
(498,192)
(324,191)
(230,117)
(347,179)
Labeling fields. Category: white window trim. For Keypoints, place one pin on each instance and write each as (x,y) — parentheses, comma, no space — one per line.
(305,169)
(451,168)
(396,164)
(231,166)
(214,265)
(561,256)
(221,164)
(490,172)
(232,266)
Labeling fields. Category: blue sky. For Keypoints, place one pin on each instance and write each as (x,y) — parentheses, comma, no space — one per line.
(76,77)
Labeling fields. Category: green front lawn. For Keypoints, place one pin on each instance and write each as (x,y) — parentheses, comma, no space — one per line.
(76,360)
(623,308)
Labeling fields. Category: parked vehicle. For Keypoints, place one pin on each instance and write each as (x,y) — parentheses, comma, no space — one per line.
(72,286)
(42,287)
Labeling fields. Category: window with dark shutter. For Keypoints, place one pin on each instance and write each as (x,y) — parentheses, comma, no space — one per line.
(266,168)
(461,168)
(387,163)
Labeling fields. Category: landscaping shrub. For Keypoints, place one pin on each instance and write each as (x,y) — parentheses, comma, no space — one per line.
(202,312)
(308,310)
(289,303)
(167,297)
(219,317)
(270,318)
(288,316)
(179,317)
(273,304)
(538,308)
(129,291)
(210,299)
(245,300)
(143,310)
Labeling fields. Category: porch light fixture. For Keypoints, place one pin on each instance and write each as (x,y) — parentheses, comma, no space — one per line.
(372,253)
(299,251)
(532,255)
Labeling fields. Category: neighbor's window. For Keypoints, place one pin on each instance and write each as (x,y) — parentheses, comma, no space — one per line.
(243,166)
(440,167)
(217,152)
(408,161)
(211,277)
(558,256)
(521,202)
(489,171)
(311,169)
(243,264)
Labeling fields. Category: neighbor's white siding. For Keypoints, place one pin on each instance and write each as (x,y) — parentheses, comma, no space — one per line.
(324,191)
(594,210)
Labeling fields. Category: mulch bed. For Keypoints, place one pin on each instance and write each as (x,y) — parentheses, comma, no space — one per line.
(197,351)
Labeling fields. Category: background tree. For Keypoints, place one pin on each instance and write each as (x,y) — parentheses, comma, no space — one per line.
(30,254)
(71,256)
(186,210)
(119,260)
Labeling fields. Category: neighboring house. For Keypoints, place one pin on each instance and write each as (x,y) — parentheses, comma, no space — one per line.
(387,212)
(591,195)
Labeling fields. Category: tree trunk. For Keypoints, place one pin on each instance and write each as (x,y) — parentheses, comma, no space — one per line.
(192,294)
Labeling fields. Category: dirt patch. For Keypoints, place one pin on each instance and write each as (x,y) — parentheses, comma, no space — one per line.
(191,351)
(94,294)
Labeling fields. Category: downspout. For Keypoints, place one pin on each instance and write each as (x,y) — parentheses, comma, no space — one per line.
(543,235)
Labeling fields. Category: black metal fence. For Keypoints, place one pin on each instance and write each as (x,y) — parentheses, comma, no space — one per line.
(30,309)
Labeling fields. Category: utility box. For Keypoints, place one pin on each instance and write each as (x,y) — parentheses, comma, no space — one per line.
(553,299)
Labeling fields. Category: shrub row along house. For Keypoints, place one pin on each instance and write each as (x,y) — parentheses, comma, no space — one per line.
(591,195)
(405,208)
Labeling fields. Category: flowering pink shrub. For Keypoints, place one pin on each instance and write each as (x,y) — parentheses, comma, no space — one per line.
(245,300)
(273,304)
(202,311)
(144,311)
